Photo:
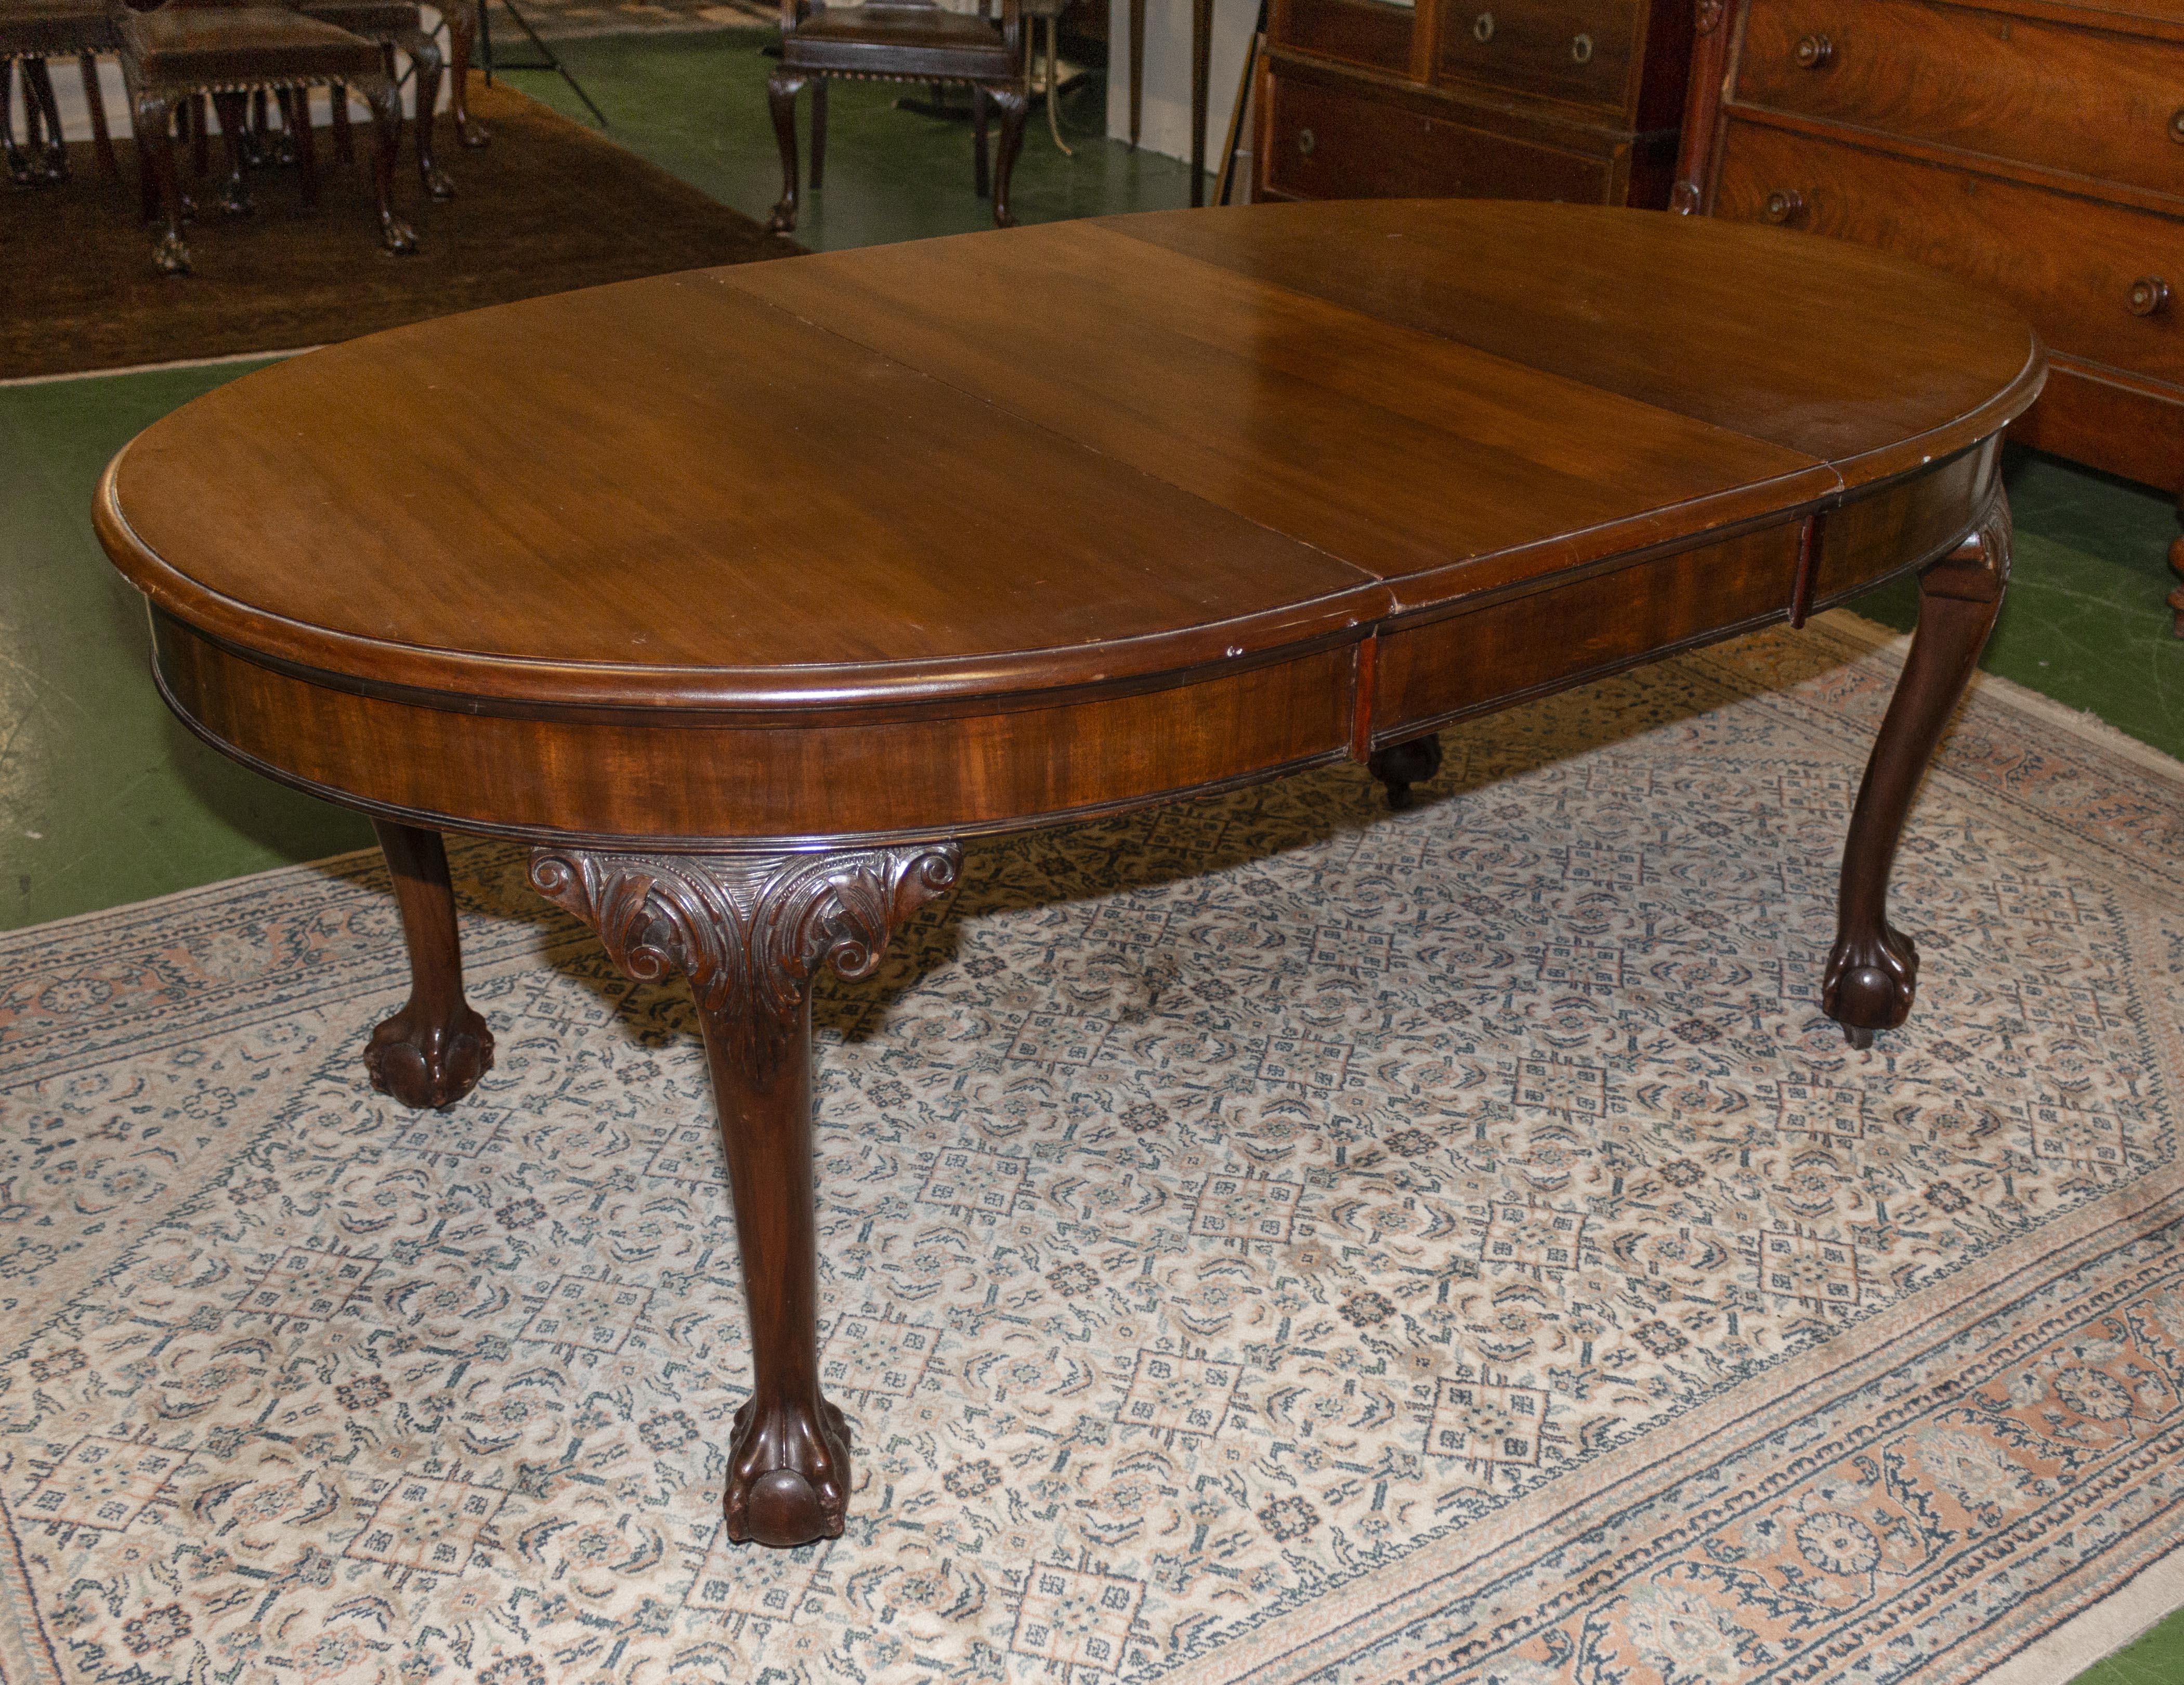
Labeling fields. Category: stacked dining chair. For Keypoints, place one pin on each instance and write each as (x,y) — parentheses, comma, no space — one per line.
(179,58)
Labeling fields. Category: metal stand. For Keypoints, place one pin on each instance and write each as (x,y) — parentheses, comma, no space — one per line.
(545,61)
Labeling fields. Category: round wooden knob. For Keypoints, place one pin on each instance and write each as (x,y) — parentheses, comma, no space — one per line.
(1783,204)
(2176,126)
(1814,51)
(1306,142)
(1581,49)
(2148,295)
(1482,26)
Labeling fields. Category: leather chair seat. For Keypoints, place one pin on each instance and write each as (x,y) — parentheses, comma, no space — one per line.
(210,46)
(910,42)
(42,29)
(374,17)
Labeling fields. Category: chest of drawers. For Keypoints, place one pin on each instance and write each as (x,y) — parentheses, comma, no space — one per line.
(1576,100)
(2034,147)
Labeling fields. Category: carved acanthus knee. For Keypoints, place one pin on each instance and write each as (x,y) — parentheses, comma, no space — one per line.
(751,933)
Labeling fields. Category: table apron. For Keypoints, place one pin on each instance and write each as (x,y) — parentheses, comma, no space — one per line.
(1475,660)
(690,781)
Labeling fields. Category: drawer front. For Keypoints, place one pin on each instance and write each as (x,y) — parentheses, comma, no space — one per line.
(1326,143)
(1580,51)
(2073,99)
(2070,265)
(1355,31)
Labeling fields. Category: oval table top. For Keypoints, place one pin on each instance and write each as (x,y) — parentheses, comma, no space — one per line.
(1072,455)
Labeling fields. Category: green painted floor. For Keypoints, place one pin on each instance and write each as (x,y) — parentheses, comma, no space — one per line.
(696,104)
(103,799)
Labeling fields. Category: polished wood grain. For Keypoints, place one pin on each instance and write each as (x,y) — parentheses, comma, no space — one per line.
(715,588)
(1934,366)
(1574,101)
(2032,146)
(2081,102)
(1327,138)
(2079,274)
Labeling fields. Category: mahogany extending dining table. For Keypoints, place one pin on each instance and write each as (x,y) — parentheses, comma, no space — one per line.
(745,595)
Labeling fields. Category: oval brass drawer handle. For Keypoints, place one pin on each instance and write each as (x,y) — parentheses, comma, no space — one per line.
(1783,205)
(2148,295)
(1581,49)
(1815,51)
(1482,26)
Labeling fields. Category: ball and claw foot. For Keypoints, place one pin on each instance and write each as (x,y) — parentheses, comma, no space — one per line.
(171,255)
(788,1476)
(439,186)
(1870,983)
(429,1067)
(1404,764)
(782,220)
(397,238)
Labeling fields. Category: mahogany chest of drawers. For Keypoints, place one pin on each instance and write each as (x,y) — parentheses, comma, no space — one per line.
(1577,100)
(2034,147)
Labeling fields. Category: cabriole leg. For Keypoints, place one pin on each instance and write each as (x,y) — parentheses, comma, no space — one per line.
(233,110)
(462,32)
(432,1052)
(102,138)
(424,55)
(1014,104)
(385,103)
(751,932)
(38,96)
(1873,972)
(153,119)
(296,118)
(781,88)
(19,161)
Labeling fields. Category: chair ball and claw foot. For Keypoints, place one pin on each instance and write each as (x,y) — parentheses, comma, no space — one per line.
(433,1052)
(1401,765)
(1872,973)
(750,934)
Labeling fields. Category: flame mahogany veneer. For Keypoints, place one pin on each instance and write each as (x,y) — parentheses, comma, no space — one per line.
(745,594)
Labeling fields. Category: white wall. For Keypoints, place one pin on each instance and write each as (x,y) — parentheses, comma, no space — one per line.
(1167,74)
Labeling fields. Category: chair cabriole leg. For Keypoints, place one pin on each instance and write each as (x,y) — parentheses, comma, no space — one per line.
(424,55)
(395,235)
(1014,107)
(781,88)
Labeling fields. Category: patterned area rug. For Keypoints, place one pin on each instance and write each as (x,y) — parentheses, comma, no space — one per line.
(1265,1239)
